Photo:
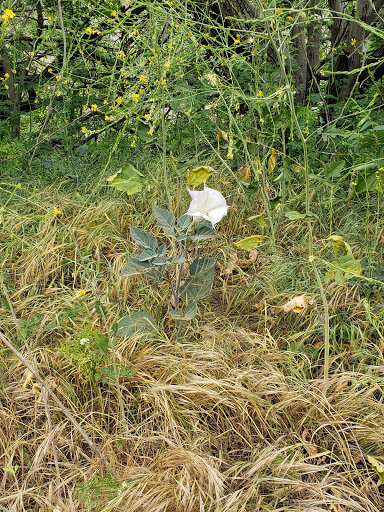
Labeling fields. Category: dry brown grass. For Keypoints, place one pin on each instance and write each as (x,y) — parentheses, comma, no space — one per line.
(227,421)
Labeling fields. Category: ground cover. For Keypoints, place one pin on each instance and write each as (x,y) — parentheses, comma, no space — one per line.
(234,416)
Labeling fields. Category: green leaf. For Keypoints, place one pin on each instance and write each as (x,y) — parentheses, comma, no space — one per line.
(147,254)
(251,242)
(342,269)
(369,182)
(177,259)
(140,324)
(135,266)
(128,180)
(198,285)
(199,175)
(260,220)
(143,239)
(334,169)
(165,220)
(379,468)
(184,221)
(203,231)
(189,312)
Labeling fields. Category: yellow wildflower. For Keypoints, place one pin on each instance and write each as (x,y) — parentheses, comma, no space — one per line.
(121,54)
(237,40)
(114,13)
(143,79)
(80,293)
(107,118)
(93,108)
(56,211)
(289,18)
(89,31)
(260,94)
(353,41)
(135,97)
(167,64)
(7,15)
(163,82)
(150,131)
(84,129)
(135,31)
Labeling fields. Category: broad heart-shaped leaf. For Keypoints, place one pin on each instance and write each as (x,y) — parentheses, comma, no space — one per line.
(135,266)
(342,269)
(379,468)
(128,179)
(199,175)
(198,285)
(189,312)
(165,220)
(147,254)
(140,324)
(251,242)
(143,239)
(203,231)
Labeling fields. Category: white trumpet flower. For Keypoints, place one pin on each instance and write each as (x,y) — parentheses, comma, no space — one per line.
(208,204)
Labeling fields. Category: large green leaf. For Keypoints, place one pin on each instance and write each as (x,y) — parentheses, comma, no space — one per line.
(143,239)
(140,324)
(342,269)
(128,180)
(135,266)
(165,220)
(198,285)
(203,231)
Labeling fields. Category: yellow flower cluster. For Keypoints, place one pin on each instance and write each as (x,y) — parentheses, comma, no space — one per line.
(4,79)
(7,15)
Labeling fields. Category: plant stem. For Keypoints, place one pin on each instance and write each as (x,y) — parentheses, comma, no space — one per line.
(311,258)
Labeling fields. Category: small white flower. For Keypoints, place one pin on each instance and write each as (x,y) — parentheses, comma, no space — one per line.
(208,204)
(83,341)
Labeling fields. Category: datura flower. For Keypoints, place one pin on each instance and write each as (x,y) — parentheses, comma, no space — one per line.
(208,204)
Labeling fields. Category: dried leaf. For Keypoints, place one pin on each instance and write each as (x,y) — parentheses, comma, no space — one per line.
(272,161)
(298,304)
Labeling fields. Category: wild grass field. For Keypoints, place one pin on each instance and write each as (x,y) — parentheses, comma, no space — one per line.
(119,393)
(233,416)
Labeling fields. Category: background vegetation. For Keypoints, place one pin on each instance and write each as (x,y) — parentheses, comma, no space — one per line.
(262,403)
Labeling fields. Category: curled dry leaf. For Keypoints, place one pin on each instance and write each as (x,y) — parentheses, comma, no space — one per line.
(298,304)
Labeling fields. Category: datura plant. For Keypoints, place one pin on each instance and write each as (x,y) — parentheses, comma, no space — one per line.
(166,262)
